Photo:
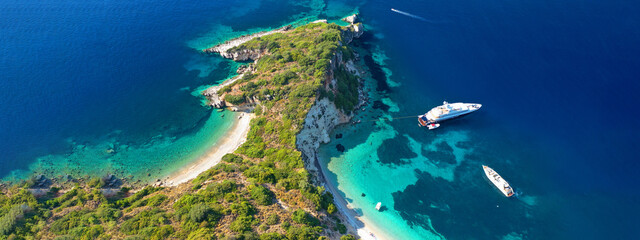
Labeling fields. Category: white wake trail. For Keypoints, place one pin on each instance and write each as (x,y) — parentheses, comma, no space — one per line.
(409,15)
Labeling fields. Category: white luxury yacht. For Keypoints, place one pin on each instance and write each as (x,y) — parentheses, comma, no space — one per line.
(446,111)
(498,181)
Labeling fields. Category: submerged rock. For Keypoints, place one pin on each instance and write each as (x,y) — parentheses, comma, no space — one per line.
(340,147)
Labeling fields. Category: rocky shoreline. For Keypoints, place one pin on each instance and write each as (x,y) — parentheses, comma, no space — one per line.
(215,100)
(223,49)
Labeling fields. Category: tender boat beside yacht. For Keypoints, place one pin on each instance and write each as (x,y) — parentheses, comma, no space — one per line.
(498,181)
(446,111)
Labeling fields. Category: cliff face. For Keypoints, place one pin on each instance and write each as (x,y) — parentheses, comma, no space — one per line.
(355,31)
(324,116)
(321,119)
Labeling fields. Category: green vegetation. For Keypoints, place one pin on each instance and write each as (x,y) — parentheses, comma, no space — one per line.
(262,195)
(348,237)
(341,228)
(262,191)
(302,217)
(234,99)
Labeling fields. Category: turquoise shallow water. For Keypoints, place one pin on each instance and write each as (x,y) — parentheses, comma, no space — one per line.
(161,155)
(98,87)
(136,111)
(549,76)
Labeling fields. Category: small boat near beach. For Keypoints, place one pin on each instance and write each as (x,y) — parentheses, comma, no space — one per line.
(446,111)
(498,181)
(378,206)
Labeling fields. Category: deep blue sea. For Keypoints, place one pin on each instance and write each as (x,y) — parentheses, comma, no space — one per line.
(95,87)
(558,81)
(88,87)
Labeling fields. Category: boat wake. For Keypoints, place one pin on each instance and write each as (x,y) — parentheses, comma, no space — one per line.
(410,15)
(517,193)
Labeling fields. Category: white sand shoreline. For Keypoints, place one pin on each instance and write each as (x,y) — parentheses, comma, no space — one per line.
(364,228)
(232,139)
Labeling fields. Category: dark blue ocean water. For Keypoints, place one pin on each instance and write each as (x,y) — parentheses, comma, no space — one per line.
(557,80)
(76,74)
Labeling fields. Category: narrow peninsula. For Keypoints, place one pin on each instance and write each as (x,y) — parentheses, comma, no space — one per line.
(296,85)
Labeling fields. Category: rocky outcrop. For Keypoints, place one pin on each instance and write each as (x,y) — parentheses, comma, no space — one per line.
(243,55)
(228,49)
(217,101)
(351,19)
(248,105)
(321,119)
(353,31)
(211,93)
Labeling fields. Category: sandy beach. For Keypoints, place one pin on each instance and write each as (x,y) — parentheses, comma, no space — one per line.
(231,141)
(364,228)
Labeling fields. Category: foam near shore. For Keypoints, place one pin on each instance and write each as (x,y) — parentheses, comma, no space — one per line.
(228,144)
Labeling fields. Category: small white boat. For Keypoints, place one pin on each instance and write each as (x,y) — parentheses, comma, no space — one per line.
(378,206)
(498,181)
(432,126)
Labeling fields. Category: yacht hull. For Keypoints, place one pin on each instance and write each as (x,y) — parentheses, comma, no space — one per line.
(498,181)
(447,112)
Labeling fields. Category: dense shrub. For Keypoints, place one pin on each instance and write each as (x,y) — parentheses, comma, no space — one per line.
(342,229)
(272,236)
(241,224)
(348,237)
(232,158)
(272,219)
(202,234)
(284,78)
(302,233)
(234,99)
(142,220)
(248,77)
(151,201)
(262,195)
(137,196)
(302,217)
(243,208)
(73,220)
(199,212)
(218,190)
(10,219)
(331,209)
(304,90)
(347,94)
